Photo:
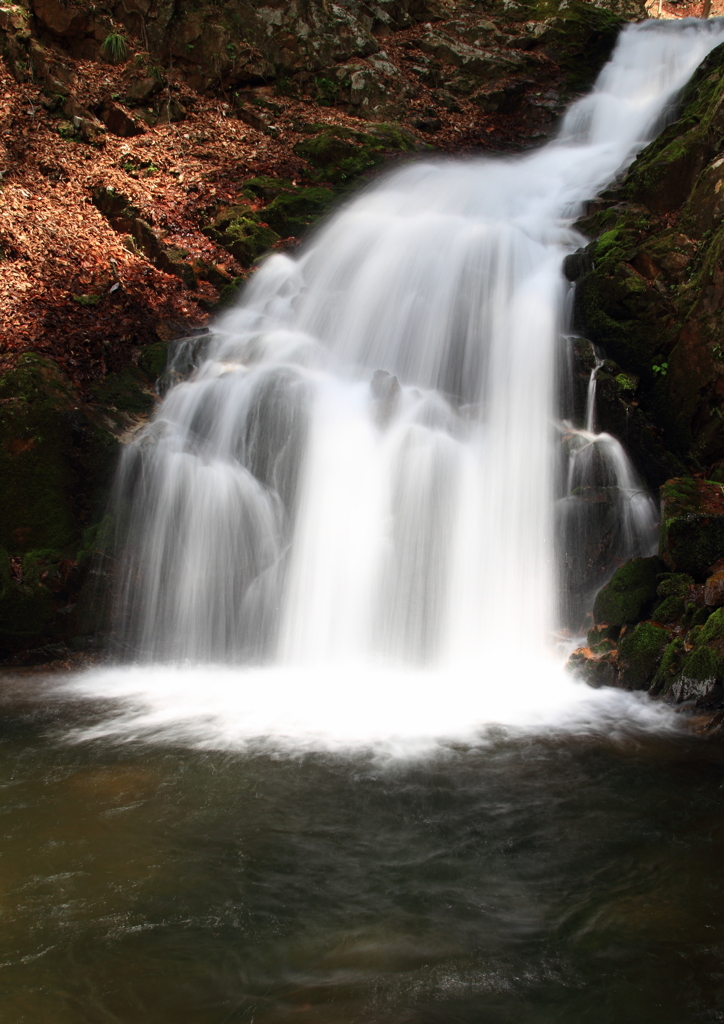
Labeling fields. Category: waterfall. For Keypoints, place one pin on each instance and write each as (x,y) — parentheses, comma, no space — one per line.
(361,471)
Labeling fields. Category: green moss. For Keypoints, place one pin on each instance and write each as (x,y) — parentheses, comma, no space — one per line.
(230,293)
(291,213)
(242,232)
(629,594)
(692,525)
(669,666)
(87,300)
(127,391)
(668,610)
(673,584)
(701,666)
(665,172)
(639,653)
(626,382)
(713,628)
(340,154)
(153,358)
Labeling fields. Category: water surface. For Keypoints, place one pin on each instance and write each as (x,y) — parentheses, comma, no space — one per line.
(528,878)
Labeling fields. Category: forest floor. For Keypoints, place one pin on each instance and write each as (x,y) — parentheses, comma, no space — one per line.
(70,288)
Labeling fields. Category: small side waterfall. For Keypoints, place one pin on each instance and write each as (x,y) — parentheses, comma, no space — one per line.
(605,515)
(362,469)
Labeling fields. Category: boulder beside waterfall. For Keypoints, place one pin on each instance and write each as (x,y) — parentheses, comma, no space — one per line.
(658,624)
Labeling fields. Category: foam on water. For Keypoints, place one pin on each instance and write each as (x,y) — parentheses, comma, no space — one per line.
(392,713)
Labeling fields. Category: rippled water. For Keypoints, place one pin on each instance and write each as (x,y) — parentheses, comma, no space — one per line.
(568,878)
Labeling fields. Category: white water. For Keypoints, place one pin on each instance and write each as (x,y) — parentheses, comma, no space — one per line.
(388,550)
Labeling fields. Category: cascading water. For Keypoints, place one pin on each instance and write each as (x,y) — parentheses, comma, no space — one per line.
(360,474)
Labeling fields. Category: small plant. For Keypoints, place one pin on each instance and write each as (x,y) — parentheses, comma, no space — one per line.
(718,352)
(115,47)
(660,369)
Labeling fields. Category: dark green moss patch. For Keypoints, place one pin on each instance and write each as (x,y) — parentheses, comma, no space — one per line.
(339,155)
(292,213)
(639,653)
(126,392)
(629,594)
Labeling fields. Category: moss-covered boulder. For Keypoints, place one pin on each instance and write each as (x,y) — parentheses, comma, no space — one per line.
(701,671)
(692,525)
(629,594)
(639,653)
(339,155)
(242,232)
(292,213)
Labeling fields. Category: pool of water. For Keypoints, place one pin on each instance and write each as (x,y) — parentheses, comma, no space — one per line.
(538,877)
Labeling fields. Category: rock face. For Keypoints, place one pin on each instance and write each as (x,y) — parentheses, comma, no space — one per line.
(692,525)
(653,298)
(57,456)
(334,52)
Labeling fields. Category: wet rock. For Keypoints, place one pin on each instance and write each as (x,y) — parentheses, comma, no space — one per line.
(629,593)
(595,669)
(700,673)
(577,264)
(639,653)
(387,393)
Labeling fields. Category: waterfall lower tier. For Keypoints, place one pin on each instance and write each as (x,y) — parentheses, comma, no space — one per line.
(362,470)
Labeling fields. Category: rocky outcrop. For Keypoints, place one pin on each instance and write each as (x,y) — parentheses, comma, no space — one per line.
(57,456)
(658,624)
(653,297)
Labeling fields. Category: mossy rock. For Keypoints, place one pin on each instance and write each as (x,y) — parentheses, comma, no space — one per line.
(38,410)
(242,233)
(292,213)
(580,38)
(629,594)
(266,188)
(152,359)
(674,584)
(712,629)
(340,154)
(669,610)
(126,392)
(700,672)
(639,653)
(230,293)
(595,672)
(664,173)
(669,667)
